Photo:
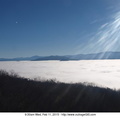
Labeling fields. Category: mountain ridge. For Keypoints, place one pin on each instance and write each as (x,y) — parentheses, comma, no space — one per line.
(92,56)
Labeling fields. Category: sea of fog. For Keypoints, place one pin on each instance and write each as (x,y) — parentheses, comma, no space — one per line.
(104,73)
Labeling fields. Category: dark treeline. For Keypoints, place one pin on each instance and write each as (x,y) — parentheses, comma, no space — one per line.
(19,94)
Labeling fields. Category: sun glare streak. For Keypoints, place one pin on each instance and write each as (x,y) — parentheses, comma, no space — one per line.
(106,39)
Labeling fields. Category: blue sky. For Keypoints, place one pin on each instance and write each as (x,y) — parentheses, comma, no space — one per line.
(51,27)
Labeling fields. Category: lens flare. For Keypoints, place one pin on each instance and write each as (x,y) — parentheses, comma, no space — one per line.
(106,39)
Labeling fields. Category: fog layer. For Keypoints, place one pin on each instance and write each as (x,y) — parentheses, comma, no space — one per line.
(105,73)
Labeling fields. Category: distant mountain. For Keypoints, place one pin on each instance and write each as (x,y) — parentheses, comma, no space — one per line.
(94,56)
(53,58)
(20,58)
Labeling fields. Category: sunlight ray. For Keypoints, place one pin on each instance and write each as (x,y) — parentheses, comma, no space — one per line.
(105,39)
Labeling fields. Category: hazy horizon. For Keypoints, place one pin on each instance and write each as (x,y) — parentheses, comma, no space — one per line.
(59,55)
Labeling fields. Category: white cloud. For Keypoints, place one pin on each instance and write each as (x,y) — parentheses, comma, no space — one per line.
(104,73)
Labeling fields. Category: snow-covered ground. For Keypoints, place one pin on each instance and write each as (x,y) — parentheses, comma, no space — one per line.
(104,73)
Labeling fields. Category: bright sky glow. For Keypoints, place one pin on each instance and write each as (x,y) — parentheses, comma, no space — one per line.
(106,39)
